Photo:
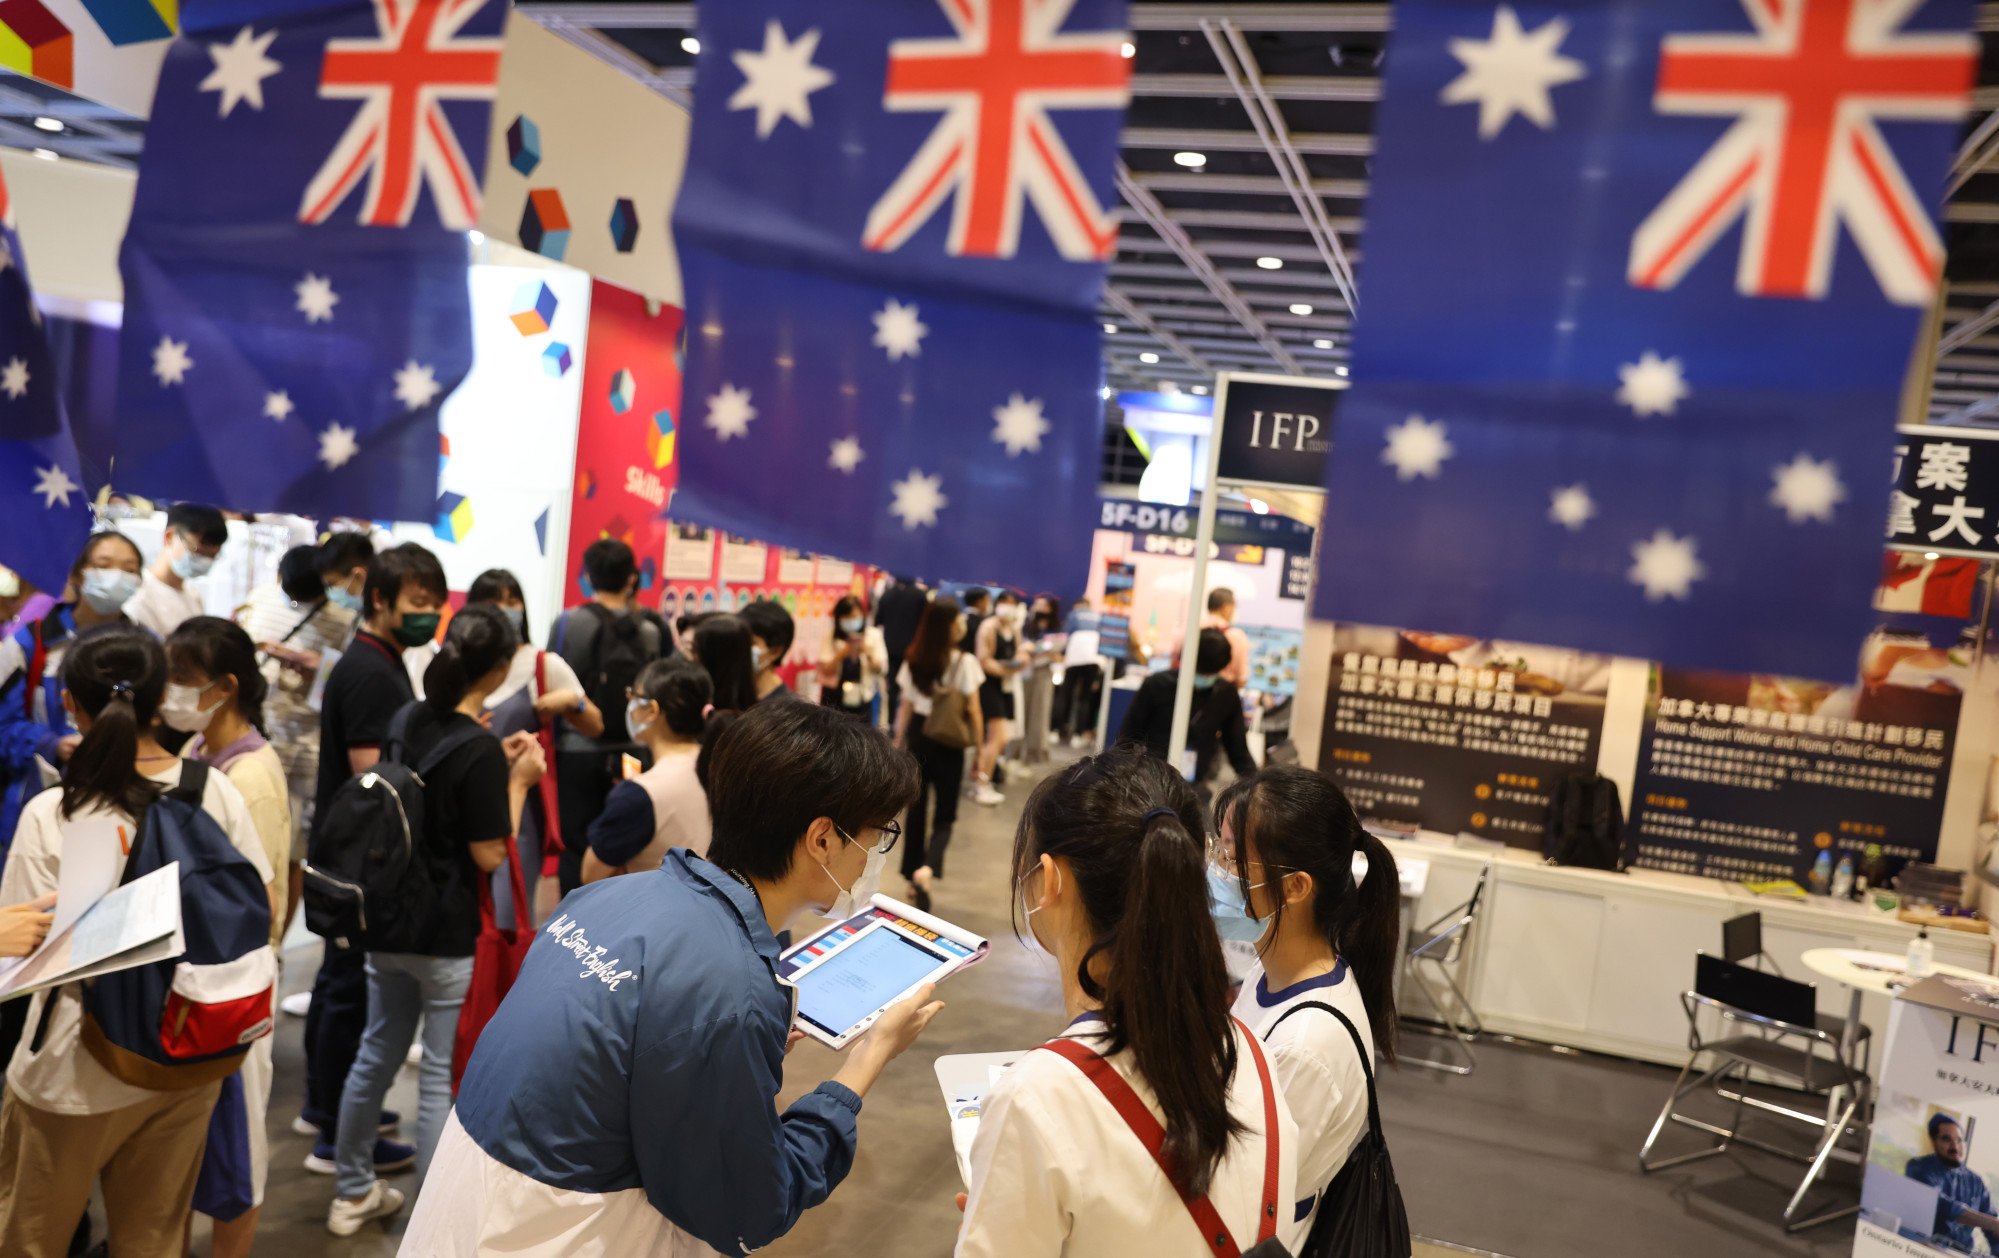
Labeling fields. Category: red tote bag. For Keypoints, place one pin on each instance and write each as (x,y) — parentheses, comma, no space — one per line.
(496,959)
(551,814)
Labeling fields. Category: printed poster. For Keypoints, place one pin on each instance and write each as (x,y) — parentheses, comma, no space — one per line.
(1454,733)
(835,572)
(794,567)
(690,555)
(744,562)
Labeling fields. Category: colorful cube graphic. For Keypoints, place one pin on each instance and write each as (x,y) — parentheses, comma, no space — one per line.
(134,21)
(660,438)
(648,573)
(524,145)
(541,531)
(623,388)
(556,360)
(586,483)
(454,518)
(533,308)
(545,224)
(624,225)
(34,42)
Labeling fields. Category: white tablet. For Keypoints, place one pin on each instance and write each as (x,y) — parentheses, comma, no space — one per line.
(852,970)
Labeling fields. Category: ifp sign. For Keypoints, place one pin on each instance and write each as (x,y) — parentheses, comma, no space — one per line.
(1274,430)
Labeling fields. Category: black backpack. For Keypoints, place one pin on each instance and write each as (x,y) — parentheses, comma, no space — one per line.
(367,881)
(1361,1213)
(617,656)
(1585,823)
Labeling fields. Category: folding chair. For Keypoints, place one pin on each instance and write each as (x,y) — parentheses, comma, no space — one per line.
(1742,943)
(1768,1023)
(1430,959)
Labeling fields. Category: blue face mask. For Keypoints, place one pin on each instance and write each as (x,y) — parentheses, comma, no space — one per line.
(189,566)
(852,624)
(342,597)
(1225,903)
(1204,681)
(518,618)
(756,657)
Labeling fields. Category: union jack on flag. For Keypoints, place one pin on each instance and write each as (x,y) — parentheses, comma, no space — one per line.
(296,307)
(400,138)
(930,373)
(996,146)
(1806,153)
(1624,444)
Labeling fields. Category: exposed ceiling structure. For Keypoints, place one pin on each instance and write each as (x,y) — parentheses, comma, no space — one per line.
(1243,180)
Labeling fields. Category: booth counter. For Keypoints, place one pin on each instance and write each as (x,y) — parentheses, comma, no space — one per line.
(1597,960)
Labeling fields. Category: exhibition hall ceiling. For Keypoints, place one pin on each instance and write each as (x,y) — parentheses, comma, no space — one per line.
(1243,182)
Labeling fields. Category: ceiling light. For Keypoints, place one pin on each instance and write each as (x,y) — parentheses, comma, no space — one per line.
(1148,358)
(48,124)
(1322,343)
(1192,160)
(1339,371)
(1104,392)
(1201,389)
(476,237)
(1259,506)
(1128,50)
(1930,555)
(1271,264)
(1300,308)
(1110,329)
(1169,386)
(47,155)
(691,46)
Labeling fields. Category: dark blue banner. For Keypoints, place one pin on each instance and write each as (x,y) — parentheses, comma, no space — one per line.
(1641,287)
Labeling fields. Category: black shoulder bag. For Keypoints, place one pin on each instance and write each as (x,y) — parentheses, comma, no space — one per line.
(1360,1213)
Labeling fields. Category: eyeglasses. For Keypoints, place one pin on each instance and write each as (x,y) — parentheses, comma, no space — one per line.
(890,834)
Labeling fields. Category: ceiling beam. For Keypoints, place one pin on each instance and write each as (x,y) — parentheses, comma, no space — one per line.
(1283,87)
(1316,15)
(1202,139)
(1245,185)
(1124,306)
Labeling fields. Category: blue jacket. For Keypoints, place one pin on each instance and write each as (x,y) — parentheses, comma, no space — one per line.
(32,719)
(642,1046)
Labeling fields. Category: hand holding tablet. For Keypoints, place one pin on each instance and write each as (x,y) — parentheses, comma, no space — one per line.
(851,975)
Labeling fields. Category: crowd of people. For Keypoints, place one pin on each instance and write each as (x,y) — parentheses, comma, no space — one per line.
(411,777)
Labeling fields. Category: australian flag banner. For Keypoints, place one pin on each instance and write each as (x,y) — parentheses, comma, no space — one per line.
(47,513)
(1641,289)
(295,272)
(893,231)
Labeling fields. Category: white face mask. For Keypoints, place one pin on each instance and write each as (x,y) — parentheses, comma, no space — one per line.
(636,720)
(1034,940)
(181,708)
(864,888)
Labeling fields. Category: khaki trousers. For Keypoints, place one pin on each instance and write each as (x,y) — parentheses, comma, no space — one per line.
(147,1156)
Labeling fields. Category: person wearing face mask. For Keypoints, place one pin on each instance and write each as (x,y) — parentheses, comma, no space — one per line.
(850,677)
(1108,870)
(195,535)
(301,623)
(607,642)
(216,692)
(623,1099)
(1216,723)
(771,633)
(541,690)
(35,730)
(665,807)
(934,667)
(1321,900)
(419,966)
(997,645)
(365,688)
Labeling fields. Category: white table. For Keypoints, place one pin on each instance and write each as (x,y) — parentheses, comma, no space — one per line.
(1861,971)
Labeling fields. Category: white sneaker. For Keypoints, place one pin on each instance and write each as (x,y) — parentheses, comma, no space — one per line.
(982,793)
(296,1004)
(415,1055)
(344,1218)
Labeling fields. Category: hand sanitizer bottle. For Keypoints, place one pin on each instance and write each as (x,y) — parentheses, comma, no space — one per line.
(1922,954)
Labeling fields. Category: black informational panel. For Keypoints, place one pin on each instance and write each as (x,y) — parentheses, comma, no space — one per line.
(1276,430)
(1946,496)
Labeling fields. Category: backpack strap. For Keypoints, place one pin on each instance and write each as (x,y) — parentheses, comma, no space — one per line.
(451,742)
(1366,1064)
(190,790)
(1152,1135)
(397,740)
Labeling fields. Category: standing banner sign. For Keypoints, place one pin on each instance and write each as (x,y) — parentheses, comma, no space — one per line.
(1274,430)
(626,437)
(1946,496)
(1654,427)
(894,236)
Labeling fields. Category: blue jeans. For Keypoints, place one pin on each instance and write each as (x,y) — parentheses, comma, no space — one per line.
(400,987)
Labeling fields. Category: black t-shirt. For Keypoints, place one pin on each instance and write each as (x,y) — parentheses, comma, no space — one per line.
(464,802)
(364,691)
(1216,722)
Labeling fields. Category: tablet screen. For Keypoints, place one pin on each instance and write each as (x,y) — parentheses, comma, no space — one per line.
(860,978)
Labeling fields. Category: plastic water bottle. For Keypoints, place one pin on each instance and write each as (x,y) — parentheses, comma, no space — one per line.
(1821,876)
(1842,878)
(1922,954)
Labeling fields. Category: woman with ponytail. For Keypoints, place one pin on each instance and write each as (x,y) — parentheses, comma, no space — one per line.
(216,692)
(473,788)
(67,1121)
(667,710)
(1110,872)
(1330,935)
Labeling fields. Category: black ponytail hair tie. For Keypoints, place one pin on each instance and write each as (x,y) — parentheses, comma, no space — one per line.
(1154,815)
(122,690)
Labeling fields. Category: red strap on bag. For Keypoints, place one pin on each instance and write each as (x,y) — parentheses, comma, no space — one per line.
(496,960)
(1153,1136)
(544,733)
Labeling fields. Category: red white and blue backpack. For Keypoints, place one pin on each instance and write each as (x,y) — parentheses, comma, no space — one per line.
(189,1020)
